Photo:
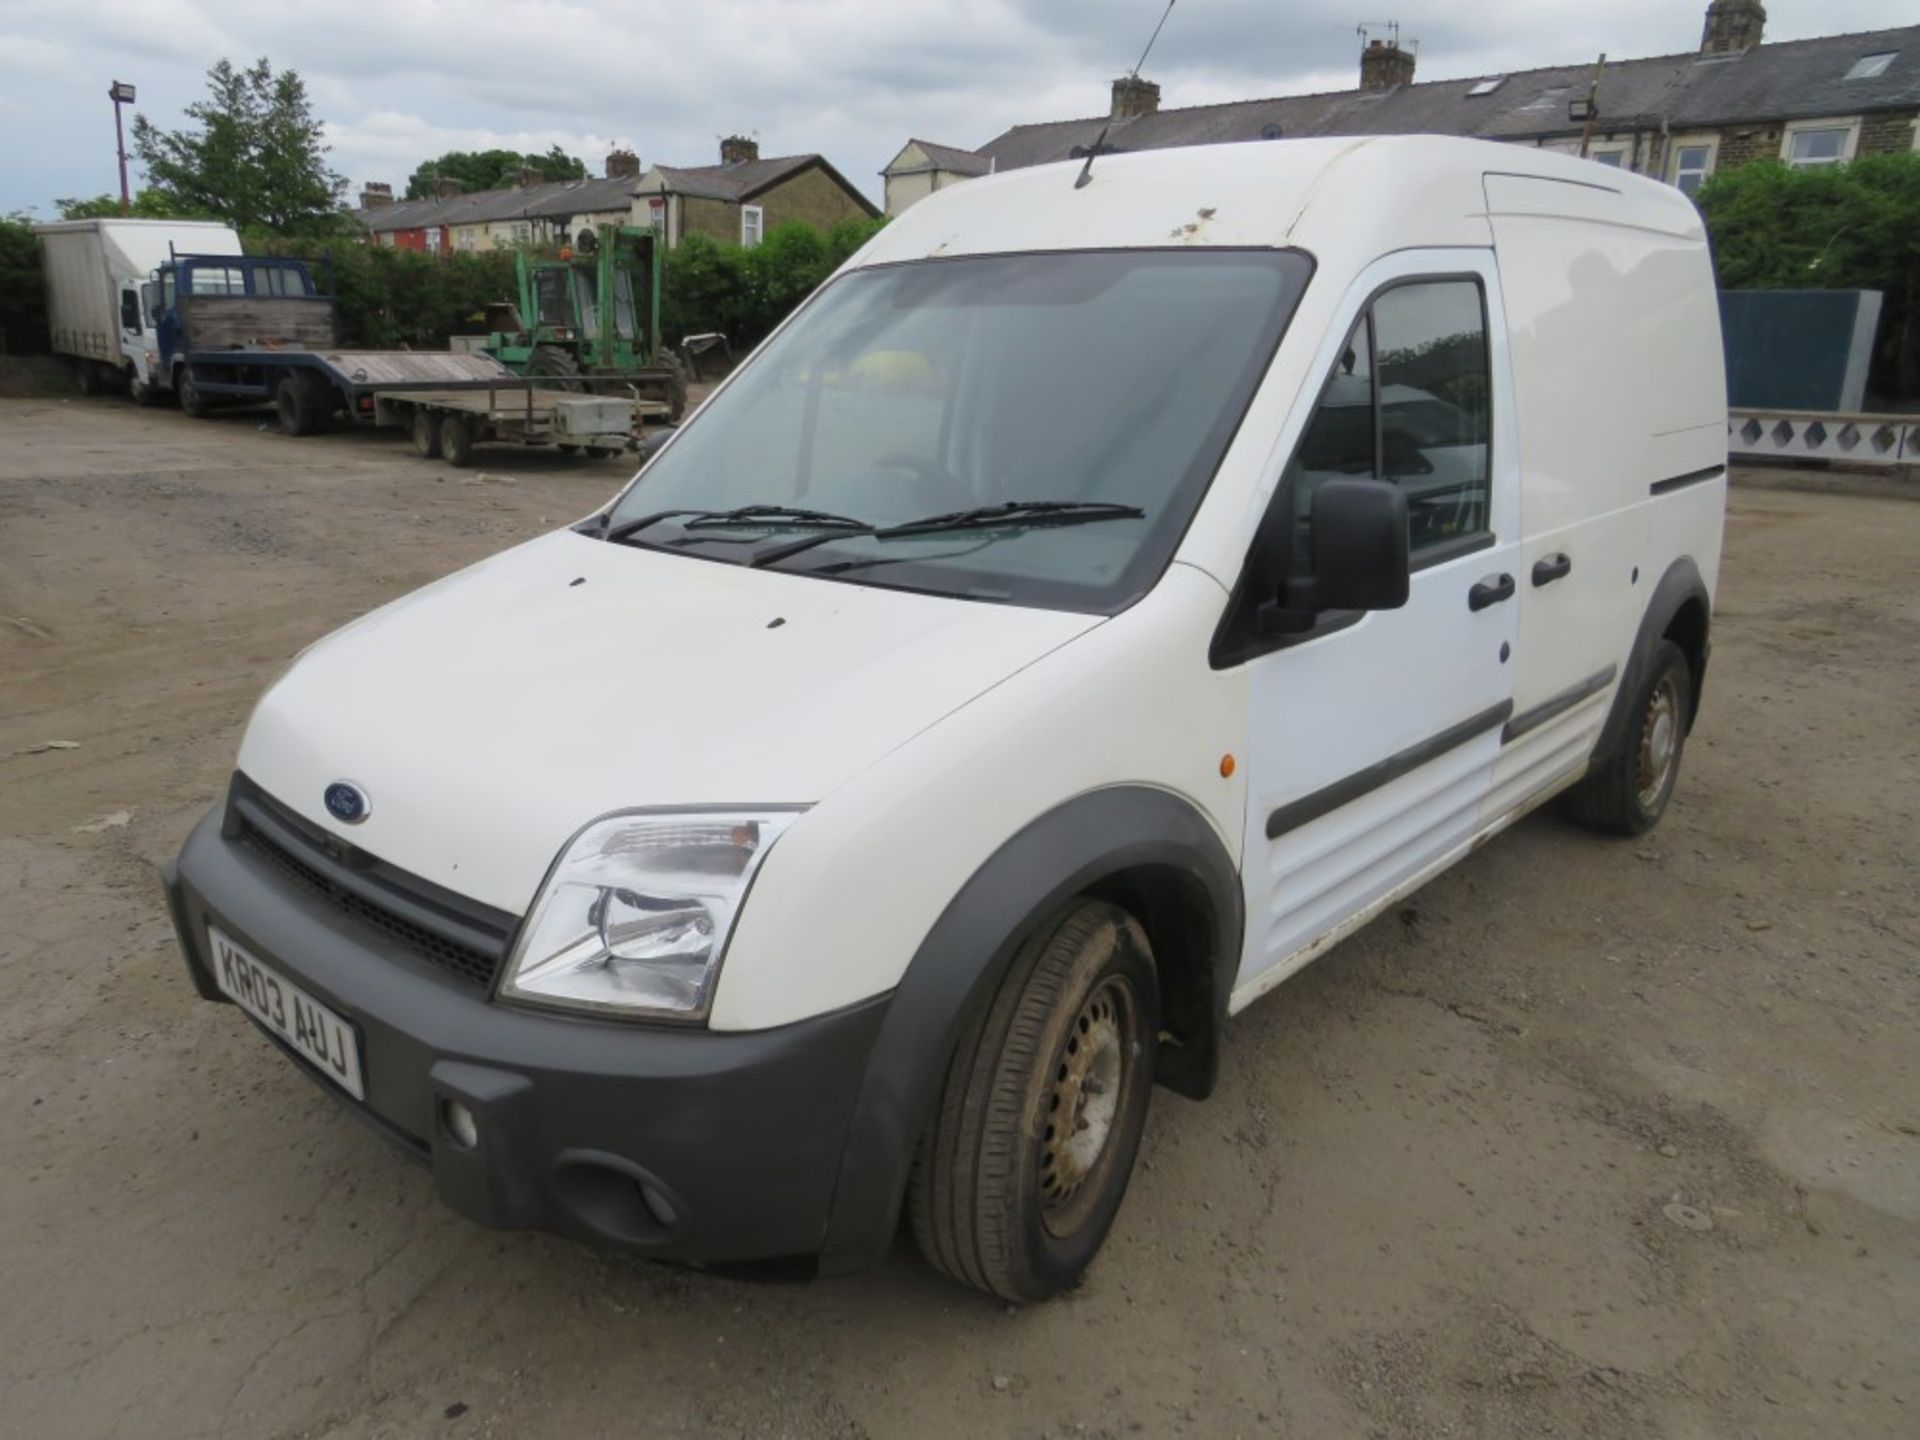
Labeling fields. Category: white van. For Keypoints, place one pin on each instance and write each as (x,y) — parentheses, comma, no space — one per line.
(1090,606)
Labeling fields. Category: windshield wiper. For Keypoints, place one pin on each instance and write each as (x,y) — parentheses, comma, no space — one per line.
(1023,514)
(739,515)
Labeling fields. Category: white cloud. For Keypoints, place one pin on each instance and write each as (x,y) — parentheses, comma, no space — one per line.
(403,80)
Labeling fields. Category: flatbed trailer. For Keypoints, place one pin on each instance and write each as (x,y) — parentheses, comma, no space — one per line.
(447,422)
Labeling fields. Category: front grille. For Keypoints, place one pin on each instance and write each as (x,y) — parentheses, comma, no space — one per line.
(469,946)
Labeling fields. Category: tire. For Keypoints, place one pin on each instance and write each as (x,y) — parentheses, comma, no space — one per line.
(192,402)
(1626,793)
(568,449)
(676,369)
(557,366)
(302,402)
(1003,1196)
(426,433)
(456,441)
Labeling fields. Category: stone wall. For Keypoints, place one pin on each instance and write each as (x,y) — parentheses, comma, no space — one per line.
(811,195)
(1889,133)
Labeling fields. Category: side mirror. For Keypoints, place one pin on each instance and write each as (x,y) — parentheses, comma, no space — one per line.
(1359,548)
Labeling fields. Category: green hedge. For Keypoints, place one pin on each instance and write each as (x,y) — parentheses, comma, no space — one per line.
(23,297)
(1833,227)
(388,297)
(743,292)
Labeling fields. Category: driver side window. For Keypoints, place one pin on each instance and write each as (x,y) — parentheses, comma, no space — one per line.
(1407,402)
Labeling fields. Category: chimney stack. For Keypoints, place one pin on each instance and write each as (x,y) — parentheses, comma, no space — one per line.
(1732,26)
(1133,97)
(1384,65)
(523,177)
(374,194)
(446,187)
(738,149)
(623,165)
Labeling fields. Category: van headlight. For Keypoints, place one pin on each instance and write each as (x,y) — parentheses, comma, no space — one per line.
(635,915)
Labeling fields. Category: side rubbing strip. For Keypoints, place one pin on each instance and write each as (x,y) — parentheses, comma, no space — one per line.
(1557,705)
(1680,482)
(1296,813)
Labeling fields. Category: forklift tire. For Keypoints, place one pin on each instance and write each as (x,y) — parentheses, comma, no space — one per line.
(456,441)
(192,402)
(426,433)
(301,401)
(559,368)
(676,383)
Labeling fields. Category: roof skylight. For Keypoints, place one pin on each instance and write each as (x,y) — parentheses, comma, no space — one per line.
(1869,67)
(1487,86)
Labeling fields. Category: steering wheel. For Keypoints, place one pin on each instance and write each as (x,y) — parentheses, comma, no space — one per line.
(934,485)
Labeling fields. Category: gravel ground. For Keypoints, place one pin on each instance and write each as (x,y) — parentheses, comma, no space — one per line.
(1591,1138)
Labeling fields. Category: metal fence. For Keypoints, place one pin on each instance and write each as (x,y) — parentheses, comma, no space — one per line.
(1853,439)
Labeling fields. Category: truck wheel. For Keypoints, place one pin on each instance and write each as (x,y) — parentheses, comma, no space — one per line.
(456,440)
(426,433)
(556,366)
(1023,1167)
(302,403)
(192,402)
(1626,792)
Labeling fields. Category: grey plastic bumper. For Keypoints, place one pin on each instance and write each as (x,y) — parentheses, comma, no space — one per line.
(683,1144)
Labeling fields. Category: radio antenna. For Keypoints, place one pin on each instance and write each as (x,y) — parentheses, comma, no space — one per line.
(1086,170)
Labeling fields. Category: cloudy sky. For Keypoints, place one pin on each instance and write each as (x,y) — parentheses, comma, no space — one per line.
(398,81)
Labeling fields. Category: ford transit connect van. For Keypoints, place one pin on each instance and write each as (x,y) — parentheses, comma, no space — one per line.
(1085,610)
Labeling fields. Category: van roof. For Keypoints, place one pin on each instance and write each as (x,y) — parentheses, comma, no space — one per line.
(1364,196)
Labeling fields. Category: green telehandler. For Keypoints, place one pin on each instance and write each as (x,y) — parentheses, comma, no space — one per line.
(592,312)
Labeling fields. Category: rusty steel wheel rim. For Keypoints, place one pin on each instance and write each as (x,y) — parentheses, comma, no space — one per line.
(1659,742)
(1092,1076)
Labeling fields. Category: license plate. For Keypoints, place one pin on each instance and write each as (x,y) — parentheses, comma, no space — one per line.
(314,1031)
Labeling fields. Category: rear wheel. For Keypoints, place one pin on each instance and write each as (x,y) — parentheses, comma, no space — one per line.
(1023,1167)
(676,382)
(456,440)
(557,367)
(1626,792)
(301,401)
(426,433)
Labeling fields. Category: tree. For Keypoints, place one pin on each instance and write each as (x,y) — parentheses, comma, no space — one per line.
(253,155)
(491,170)
(1831,227)
(23,300)
(149,204)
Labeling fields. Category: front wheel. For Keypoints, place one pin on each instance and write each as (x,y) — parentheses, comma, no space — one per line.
(1022,1169)
(192,402)
(456,441)
(1626,792)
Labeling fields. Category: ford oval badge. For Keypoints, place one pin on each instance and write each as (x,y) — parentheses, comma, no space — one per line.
(347,802)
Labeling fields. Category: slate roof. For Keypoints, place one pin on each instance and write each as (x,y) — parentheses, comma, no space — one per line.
(555,199)
(1790,80)
(950,158)
(745,179)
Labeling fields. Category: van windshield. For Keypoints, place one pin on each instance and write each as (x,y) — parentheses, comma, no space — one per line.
(1093,383)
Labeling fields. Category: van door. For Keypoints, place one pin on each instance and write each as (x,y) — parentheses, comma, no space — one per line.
(1372,738)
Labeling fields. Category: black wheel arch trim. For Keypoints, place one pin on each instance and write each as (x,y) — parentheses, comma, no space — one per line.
(1676,589)
(959,965)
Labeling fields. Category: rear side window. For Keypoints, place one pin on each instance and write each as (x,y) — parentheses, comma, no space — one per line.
(1408,402)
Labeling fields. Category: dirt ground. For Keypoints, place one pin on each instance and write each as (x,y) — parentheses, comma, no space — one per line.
(1593,1138)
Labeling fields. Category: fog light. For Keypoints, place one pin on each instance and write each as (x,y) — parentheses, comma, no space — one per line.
(459,1124)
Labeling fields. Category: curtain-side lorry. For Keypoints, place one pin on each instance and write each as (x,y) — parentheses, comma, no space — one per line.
(96,306)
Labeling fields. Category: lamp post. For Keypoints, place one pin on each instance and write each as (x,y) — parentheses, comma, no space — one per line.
(121,93)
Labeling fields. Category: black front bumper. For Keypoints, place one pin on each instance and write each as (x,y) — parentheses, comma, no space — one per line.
(695,1145)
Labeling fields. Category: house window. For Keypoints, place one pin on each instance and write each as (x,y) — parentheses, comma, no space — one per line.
(1871,67)
(753,223)
(433,239)
(465,240)
(1692,164)
(1614,155)
(1826,142)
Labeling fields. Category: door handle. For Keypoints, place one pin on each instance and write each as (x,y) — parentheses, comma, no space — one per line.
(1550,568)
(1490,591)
